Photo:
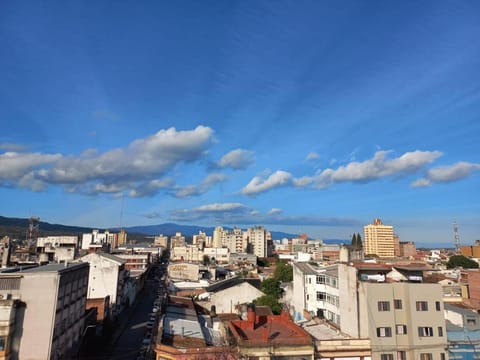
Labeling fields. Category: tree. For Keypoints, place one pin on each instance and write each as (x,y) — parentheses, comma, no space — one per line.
(359,241)
(283,272)
(271,287)
(353,244)
(271,302)
(461,261)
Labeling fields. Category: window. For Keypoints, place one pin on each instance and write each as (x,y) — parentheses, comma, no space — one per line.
(426,356)
(383,306)
(386,357)
(401,329)
(424,331)
(440,331)
(401,355)
(320,279)
(384,332)
(321,296)
(471,321)
(442,356)
(437,305)
(2,343)
(422,306)
(397,304)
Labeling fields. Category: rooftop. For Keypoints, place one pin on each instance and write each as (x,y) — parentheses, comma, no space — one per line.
(54,267)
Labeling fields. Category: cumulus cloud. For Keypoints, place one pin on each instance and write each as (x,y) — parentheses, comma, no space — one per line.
(16,166)
(203,187)
(238,159)
(138,167)
(259,184)
(312,156)
(446,174)
(377,167)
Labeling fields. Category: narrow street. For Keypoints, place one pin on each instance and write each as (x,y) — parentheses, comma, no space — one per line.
(130,330)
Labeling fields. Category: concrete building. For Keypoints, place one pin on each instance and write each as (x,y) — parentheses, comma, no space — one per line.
(229,295)
(161,240)
(178,240)
(183,271)
(57,248)
(98,240)
(407,249)
(202,240)
(217,255)
(135,261)
(236,240)
(106,279)
(185,333)
(5,252)
(463,331)
(260,241)
(392,306)
(219,236)
(379,239)
(48,311)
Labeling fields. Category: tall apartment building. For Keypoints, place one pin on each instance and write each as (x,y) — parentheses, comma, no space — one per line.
(259,239)
(403,317)
(202,240)
(49,311)
(219,236)
(379,239)
(99,240)
(236,240)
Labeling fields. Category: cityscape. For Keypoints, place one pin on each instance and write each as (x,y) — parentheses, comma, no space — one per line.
(236,294)
(240,180)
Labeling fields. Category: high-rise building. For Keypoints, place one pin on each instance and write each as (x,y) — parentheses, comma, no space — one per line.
(236,240)
(379,239)
(218,237)
(258,238)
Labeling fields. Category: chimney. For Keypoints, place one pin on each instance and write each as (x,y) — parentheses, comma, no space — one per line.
(265,333)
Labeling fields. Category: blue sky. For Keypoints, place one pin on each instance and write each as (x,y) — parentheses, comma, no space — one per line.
(310,116)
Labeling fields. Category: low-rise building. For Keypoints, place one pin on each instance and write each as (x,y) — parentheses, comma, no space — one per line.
(270,337)
(57,248)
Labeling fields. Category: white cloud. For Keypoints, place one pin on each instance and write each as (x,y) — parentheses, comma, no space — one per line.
(421,183)
(312,156)
(203,187)
(445,174)
(377,167)
(220,207)
(259,184)
(150,188)
(14,166)
(238,159)
(143,158)
(275,211)
(138,167)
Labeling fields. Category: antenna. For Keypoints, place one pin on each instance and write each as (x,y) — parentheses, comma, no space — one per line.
(456,237)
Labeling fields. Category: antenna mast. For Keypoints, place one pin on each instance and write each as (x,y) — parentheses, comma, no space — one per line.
(456,237)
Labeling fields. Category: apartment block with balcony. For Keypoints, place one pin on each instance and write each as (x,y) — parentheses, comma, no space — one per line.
(379,240)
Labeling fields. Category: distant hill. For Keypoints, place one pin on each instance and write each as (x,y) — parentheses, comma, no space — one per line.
(189,230)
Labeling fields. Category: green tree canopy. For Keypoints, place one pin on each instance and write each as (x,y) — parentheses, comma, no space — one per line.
(271,287)
(463,261)
(283,272)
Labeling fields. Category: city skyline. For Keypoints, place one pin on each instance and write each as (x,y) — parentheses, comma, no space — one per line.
(311,117)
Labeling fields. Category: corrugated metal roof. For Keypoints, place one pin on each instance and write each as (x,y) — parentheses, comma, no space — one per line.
(306,268)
